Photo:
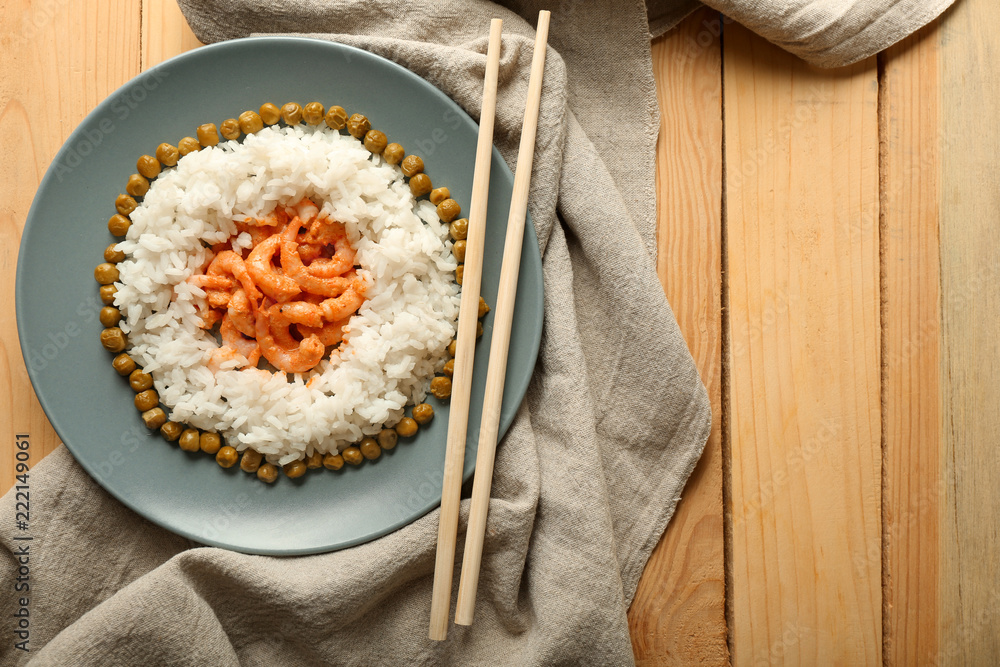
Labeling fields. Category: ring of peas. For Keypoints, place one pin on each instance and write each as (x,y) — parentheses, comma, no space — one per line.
(113,339)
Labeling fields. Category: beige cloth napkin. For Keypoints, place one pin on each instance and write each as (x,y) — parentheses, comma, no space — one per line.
(590,471)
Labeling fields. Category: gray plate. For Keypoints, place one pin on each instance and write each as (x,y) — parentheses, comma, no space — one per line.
(90,406)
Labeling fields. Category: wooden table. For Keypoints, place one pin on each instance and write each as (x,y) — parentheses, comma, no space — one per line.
(829,243)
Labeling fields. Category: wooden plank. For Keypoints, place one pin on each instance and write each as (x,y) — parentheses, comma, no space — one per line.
(51,76)
(678,613)
(970,358)
(911,195)
(165,32)
(803,419)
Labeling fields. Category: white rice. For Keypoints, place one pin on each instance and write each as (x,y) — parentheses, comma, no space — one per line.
(392,346)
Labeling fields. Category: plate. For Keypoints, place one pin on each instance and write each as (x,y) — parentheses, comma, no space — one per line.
(90,406)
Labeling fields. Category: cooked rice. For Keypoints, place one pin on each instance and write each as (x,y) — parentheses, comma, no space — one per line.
(391,347)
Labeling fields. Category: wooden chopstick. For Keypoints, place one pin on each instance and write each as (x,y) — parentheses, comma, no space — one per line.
(458,420)
(500,342)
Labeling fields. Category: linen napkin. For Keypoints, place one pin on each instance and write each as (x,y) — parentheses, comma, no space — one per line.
(595,461)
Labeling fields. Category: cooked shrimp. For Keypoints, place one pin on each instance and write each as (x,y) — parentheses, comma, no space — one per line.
(221,355)
(210,317)
(261,228)
(218,298)
(323,231)
(228,262)
(310,252)
(305,209)
(341,262)
(214,282)
(330,333)
(293,267)
(301,312)
(292,359)
(277,286)
(240,313)
(231,337)
(343,306)
(313,313)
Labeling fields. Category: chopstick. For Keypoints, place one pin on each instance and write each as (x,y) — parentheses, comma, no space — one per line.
(458,420)
(500,342)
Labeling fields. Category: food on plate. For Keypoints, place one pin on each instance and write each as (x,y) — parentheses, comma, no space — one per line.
(358,125)
(113,339)
(268,472)
(423,413)
(210,443)
(420,184)
(459,229)
(171,431)
(295,468)
(353,455)
(167,155)
(109,316)
(269,113)
(208,135)
(185,146)
(140,380)
(313,113)
(149,166)
(286,296)
(190,440)
(230,128)
(387,438)
(154,419)
(412,165)
(441,387)
(393,153)
(336,118)
(123,364)
(407,427)
(227,456)
(375,141)
(448,210)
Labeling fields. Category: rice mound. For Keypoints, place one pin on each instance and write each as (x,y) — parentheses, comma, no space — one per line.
(395,342)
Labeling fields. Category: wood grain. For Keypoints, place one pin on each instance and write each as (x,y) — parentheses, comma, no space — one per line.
(804,416)
(678,612)
(911,374)
(45,91)
(970,361)
(165,32)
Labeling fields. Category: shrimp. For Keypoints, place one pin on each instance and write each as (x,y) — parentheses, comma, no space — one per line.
(323,231)
(330,333)
(343,306)
(210,318)
(261,228)
(228,262)
(310,252)
(304,209)
(277,286)
(296,270)
(313,314)
(272,330)
(232,338)
(240,313)
(218,298)
(301,312)
(214,282)
(220,356)
(341,262)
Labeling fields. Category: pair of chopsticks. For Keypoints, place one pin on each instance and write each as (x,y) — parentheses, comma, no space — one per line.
(499,344)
